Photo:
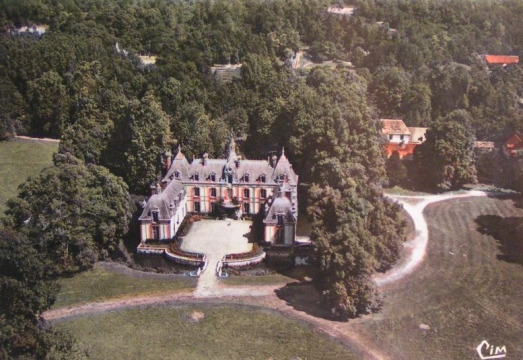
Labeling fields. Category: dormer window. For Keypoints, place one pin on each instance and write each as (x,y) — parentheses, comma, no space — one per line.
(212,177)
(177,175)
(246,177)
(263,178)
(196,177)
(155,213)
(281,177)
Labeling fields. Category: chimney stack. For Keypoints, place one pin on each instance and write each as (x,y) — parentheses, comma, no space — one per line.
(167,159)
(274,161)
(154,189)
(205,157)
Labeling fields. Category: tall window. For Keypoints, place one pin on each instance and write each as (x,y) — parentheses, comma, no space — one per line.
(246,208)
(213,192)
(156,232)
(263,193)
(246,193)
(196,191)
(197,206)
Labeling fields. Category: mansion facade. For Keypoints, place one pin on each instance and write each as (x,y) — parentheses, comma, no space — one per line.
(233,186)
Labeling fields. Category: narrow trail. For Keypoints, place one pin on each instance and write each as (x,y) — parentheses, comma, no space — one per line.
(209,291)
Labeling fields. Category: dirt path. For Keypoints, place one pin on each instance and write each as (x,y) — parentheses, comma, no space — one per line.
(417,246)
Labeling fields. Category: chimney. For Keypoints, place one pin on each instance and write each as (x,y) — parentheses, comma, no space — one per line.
(205,157)
(164,184)
(154,189)
(167,159)
(274,161)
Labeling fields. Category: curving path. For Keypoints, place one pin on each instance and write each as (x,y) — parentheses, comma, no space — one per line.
(414,206)
(265,296)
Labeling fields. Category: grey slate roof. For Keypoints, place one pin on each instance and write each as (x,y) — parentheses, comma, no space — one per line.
(280,206)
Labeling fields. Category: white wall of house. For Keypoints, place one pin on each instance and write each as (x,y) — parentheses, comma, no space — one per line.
(398,138)
(177,218)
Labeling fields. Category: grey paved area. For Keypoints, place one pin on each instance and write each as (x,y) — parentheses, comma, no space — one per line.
(216,238)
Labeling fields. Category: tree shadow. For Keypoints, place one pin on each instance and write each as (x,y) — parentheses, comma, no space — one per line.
(508,233)
(302,296)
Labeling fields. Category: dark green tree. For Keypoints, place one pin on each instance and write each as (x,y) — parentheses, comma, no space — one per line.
(25,292)
(396,170)
(150,137)
(75,213)
(446,159)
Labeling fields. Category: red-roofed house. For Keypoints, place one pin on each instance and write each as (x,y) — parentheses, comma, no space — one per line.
(501,59)
(513,146)
(401,138)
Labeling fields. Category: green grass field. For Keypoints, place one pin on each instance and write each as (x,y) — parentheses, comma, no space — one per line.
(222,332)
(100,284)
(463,291)
(20,159)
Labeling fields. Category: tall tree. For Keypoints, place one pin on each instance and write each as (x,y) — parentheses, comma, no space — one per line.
(446,158)
(150,137)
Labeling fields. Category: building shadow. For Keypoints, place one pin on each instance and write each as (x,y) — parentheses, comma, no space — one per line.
(303,297)
(508,232)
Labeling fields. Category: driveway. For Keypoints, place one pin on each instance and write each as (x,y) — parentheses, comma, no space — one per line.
(215,239)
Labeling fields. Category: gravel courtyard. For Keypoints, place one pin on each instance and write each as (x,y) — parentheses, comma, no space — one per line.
(215,239)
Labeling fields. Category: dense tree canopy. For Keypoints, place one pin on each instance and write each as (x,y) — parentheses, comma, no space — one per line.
(75,213)
(446,159)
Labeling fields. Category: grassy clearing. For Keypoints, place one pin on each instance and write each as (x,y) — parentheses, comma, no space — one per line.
(463,291)
(100,284)
(19,159)
(200,332)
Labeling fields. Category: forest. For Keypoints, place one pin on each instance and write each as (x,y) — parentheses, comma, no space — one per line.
(82,81)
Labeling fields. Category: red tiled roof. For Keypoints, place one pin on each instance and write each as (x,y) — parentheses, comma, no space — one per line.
(514,142)
(501,59)
(394,126)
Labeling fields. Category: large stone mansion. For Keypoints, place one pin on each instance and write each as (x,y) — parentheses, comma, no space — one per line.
(233,186)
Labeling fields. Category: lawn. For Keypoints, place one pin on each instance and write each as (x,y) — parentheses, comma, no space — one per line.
(462,293)
(200,332)
(101,284)
(265,276)
(19,159)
